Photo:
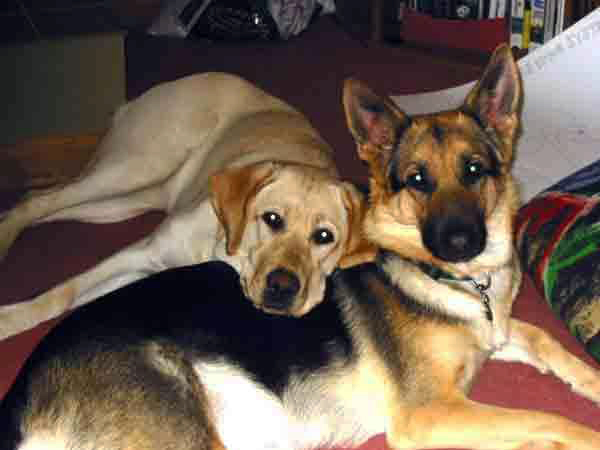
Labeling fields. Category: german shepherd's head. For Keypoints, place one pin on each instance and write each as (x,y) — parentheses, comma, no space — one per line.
(441,191)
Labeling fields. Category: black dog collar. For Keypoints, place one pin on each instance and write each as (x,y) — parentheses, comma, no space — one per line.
(438,274)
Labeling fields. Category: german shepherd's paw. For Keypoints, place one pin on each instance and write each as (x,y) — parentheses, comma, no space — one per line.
(586,381)
(535,346)
(583,378)
(542,446)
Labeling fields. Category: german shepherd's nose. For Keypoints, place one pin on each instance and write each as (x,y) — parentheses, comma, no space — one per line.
(281,289)
(456,237)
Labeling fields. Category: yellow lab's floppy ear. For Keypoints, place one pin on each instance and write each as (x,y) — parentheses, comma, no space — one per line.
(232,190)
(358,249)
(496,99)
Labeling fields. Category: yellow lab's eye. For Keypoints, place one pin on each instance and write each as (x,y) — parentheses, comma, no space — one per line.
(322,236)
(273,220)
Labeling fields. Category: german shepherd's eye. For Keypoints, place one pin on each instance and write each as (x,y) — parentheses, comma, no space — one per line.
(420,181)
(322,236)
(474,170)
(273,220)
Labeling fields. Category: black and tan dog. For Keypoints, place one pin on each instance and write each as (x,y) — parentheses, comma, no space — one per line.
(394,346)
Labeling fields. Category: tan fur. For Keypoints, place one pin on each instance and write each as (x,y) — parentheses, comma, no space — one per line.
(162,152)
(428,405)
(231,193)
(115,397)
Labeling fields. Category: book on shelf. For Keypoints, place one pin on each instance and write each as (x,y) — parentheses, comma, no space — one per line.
(536,33)
(560,17)
(516,23)
(528,24)
(501,11)
(495,9)
(535,22)
(557,18)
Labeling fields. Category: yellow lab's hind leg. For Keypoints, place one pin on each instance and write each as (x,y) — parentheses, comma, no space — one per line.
(9,231)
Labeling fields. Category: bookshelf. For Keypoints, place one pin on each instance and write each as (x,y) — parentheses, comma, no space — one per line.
(479,36)
(434,23)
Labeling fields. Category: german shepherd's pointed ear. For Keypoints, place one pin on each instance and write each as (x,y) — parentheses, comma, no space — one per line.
(232,190)
(496,99)
(374,121)
(358,249)
(376,124)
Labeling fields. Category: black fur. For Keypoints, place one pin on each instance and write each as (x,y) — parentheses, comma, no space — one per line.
(396,181)
(201,308)
(438,133)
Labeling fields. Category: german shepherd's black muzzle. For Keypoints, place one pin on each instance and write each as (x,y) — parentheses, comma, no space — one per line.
(455,236)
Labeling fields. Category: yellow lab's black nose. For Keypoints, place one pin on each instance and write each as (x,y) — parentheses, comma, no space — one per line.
(281,289)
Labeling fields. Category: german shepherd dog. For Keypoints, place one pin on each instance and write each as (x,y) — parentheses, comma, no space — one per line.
(181,361)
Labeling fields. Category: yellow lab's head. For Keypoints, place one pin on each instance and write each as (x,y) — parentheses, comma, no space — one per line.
(290,225)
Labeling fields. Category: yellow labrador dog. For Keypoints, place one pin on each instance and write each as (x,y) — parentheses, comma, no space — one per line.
(243,177)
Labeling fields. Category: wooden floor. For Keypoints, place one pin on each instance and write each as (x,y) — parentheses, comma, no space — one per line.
(39,163)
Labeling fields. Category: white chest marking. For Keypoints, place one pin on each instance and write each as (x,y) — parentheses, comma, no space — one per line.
(246,415)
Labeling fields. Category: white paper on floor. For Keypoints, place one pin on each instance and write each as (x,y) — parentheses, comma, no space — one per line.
(561,109)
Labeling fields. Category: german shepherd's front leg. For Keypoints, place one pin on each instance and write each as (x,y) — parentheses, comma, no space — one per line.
(532,345)
(462,423)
